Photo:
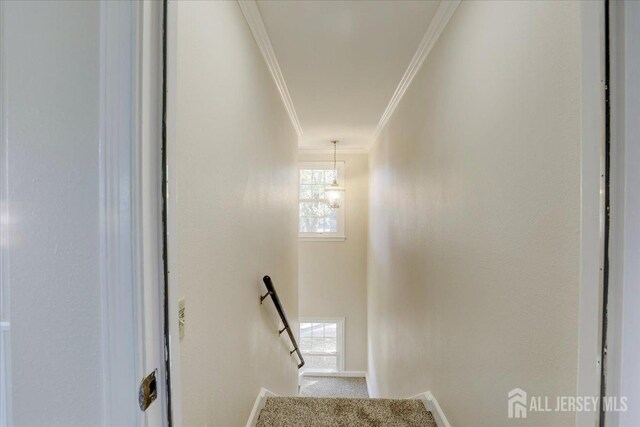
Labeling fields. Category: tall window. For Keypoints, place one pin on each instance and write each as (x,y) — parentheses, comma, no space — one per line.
(322,344)
(318,221)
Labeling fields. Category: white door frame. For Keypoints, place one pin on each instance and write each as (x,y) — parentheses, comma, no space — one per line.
(591,218)
(121,373)
(132,278)
(5,353)
(623,339)
(171,66)
(623,336)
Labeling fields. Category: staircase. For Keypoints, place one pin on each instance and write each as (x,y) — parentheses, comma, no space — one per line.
(344,412)
(273,411)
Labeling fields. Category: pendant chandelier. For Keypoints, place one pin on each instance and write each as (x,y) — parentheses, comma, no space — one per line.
(334,192)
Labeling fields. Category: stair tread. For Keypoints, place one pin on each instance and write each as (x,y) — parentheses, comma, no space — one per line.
(338,411)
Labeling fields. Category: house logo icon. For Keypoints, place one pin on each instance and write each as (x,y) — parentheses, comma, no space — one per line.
(517,401)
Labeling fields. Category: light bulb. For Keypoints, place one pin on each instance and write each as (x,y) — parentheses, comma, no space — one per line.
(333,194)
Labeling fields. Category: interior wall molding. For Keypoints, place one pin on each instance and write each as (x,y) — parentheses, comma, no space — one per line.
(254,20)
(438,23)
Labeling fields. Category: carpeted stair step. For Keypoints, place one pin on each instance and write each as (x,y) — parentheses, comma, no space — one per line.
(347,412)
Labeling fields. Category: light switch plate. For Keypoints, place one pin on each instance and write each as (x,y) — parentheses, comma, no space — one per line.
(181,317)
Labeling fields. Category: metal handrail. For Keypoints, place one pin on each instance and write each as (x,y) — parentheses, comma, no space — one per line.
(271,290)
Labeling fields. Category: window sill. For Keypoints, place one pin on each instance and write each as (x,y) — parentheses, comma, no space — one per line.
(321,238)
(320,372)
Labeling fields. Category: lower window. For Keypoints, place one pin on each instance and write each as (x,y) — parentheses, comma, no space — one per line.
(322,344)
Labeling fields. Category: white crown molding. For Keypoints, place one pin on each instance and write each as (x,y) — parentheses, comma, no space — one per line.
(438,23)
(350,150)
(254,20)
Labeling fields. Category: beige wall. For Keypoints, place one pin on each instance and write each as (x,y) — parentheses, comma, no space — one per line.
(474,217)
(236,219)
(333,275)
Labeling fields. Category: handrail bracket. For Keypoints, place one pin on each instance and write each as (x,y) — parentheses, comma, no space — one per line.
(263,297)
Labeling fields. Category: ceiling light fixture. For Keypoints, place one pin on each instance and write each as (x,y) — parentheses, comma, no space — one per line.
(334,192)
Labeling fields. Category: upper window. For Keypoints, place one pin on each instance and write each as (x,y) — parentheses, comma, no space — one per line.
(318,221)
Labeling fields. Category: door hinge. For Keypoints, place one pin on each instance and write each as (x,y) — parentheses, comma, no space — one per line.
(148,391)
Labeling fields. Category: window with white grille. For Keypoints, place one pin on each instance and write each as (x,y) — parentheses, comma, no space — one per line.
(322,344)
(317,219)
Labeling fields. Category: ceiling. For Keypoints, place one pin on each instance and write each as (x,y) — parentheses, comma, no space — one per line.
(343,60)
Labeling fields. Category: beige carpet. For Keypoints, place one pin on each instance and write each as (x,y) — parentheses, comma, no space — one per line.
(342,412)
(333,387)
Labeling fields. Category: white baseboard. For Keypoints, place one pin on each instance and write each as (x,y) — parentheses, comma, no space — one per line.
(372,394)
(432,406)
(261,400)
(362,374)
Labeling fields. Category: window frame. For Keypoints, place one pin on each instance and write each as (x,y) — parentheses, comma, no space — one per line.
(340,342)
(339,235)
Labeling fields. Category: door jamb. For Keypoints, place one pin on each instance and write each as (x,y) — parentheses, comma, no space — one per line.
(124,343)
(170,205)
(623,339)
(120,324)
(590,328)
(592,187)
